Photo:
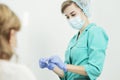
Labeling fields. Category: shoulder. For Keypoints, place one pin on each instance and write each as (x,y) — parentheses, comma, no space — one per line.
(97,31)
(96,28)
(15,71)
(97,37)
(26,71)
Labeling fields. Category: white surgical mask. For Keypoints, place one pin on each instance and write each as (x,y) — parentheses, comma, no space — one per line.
(76,22)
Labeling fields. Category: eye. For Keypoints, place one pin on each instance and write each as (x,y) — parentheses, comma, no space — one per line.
(73,15)
(67,17)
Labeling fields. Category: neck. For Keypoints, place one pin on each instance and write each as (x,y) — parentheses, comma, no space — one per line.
(85,25)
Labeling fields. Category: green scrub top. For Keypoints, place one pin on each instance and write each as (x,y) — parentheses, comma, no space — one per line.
(87,50)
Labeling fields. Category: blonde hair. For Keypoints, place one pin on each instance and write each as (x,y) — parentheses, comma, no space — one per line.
(8,21)
(67,3)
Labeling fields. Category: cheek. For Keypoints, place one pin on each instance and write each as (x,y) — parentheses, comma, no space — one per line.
(83,15)
(80,13)
(13,41)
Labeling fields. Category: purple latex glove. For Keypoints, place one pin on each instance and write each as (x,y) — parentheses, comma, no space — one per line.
(44,63)
(56,60)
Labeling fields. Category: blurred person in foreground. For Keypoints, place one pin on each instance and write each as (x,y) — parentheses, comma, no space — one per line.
(9,26)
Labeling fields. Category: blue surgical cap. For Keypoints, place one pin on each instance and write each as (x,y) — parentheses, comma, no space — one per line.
(84,5)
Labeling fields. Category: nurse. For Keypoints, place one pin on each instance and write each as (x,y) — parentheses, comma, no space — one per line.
(85,55)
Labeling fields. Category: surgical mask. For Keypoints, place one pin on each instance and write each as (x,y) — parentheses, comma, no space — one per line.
(76,22)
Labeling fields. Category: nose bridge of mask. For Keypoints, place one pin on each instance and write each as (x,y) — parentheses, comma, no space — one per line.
(76,20)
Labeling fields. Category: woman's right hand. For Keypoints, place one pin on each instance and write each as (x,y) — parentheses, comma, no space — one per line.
(43,63)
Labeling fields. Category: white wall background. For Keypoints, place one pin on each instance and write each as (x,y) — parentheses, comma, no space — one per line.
(45,32)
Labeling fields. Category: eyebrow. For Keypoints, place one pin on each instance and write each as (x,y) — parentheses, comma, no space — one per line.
(71,12)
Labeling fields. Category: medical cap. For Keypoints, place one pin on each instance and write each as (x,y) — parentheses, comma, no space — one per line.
(84,5)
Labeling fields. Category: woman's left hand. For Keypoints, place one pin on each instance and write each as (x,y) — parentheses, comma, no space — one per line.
(57,61)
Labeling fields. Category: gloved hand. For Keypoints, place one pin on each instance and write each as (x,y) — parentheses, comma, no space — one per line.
(44,63)
(51,66)
(56,60)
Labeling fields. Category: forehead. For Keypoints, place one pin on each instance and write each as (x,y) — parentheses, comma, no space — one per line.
(71,8)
